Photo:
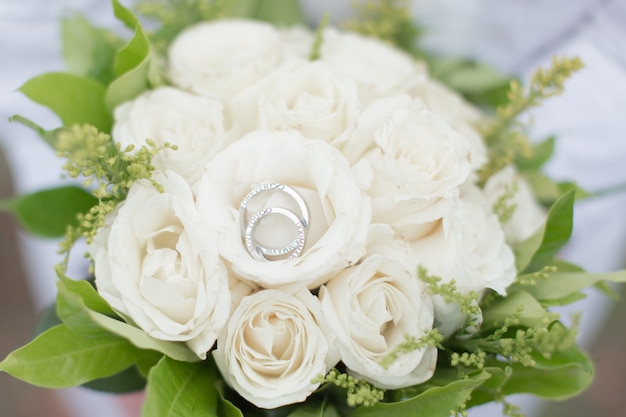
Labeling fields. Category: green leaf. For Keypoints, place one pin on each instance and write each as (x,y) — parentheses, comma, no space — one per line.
(225,408)
(125,15)
(88,51)
(60,358)
(539,249)
(479,83)
(75,99)
(73,307)
(315,409)
(533,313)
(47,213)
(132,65)
(562,376)
(434,402)
(181,389)
(49,136)
(542,152)
(277,12)
(559,287)
(545,189)
(129,380)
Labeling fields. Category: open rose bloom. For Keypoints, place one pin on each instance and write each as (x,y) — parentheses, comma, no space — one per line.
(287,222)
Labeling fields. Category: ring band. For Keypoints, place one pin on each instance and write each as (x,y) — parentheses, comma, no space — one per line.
(261,253)
(247,226)
(273,186)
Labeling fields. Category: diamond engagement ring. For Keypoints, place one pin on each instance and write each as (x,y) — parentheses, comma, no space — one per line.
(248,225)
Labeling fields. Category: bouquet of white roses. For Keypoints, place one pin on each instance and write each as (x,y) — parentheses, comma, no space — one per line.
(294,222)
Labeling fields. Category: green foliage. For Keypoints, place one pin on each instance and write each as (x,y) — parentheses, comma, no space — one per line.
(358,391)
(478,83)
(504,135)
(132,69)
(69,358)
(541,248)
(172,16)
(432,338)
(437,401)
(83,310)
(94,156)
(387,20)
(88,51)
(448,291)
(504,208)
(75,99)
(319,38)
(48,213)
(181,389)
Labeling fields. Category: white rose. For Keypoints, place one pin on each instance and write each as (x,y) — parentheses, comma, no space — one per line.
(460,114)
(296,43)
(371,308)
(417,161)
(468,246)
(274,346)
(167,115)
(379,69)
(156,262)
(221,58)
(527,216)
(312,98)
(339,211)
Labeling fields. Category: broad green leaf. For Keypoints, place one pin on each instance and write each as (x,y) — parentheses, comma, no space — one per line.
(86,292)
(533,313)
(88,51)
(74,311)
(132,65)
(315,409)
(539,249)
(545,189)
(542,152)
(560,286)
(75,99)
(479,83)
(225,408)
(47,213)
(278,12)
(434,402)
(60,358)
(139,338)
(129,380)
(49,136)
(125,15)
(177,389)
(564,375)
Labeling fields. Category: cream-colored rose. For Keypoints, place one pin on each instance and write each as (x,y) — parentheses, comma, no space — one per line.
(371,308)
(167,115)
(156,263)
(417,163)
(275,344)
(338,209)
(221,58)
(528,215)
(379,69)
(468,246)
(460,114)
(312,98)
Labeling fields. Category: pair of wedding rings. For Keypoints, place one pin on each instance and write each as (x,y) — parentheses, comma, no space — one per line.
(248,224)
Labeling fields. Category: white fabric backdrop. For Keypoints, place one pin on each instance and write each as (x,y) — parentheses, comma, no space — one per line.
(512,35)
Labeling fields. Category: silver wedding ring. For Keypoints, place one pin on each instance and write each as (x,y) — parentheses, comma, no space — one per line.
(248,225)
